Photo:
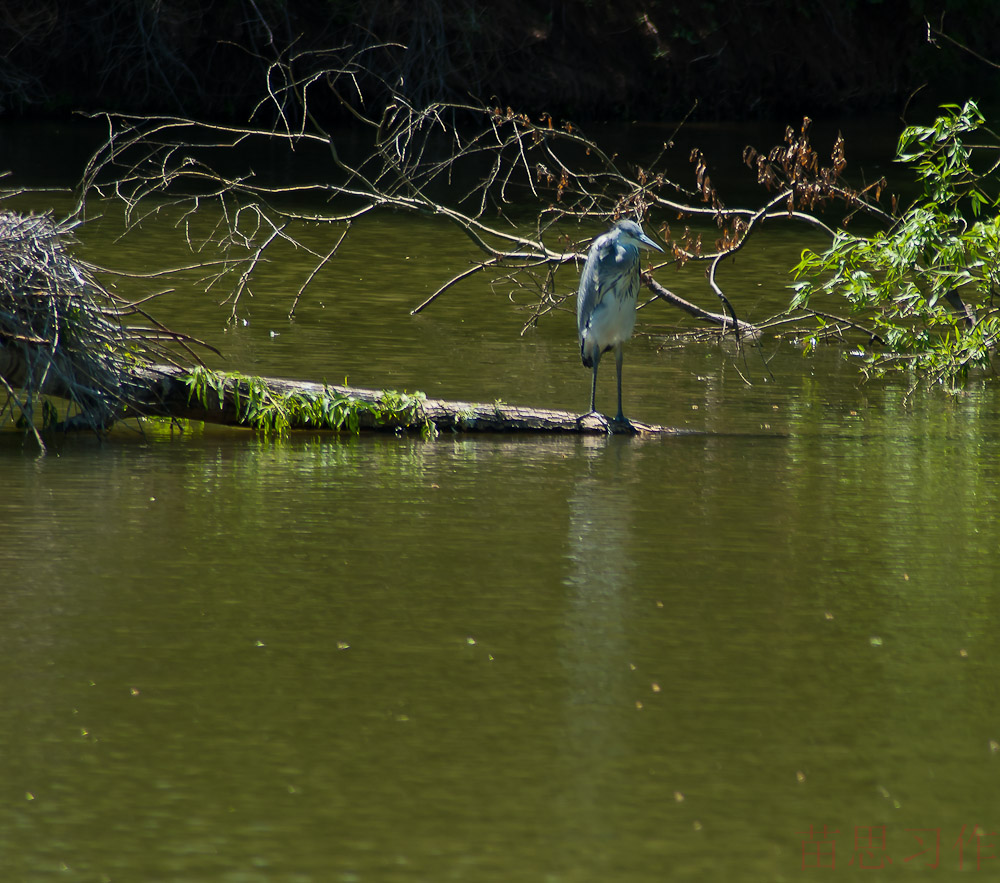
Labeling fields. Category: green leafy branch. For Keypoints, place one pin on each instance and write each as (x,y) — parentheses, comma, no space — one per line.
(275,413)
(926,285)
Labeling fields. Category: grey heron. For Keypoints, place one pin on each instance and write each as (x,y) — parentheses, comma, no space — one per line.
(606,299)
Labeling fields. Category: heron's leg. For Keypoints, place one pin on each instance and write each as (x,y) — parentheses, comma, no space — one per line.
(620,417)
(593,387)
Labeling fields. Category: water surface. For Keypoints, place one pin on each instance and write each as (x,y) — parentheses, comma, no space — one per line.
(763,653)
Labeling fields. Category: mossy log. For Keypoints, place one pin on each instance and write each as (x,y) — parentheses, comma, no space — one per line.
(64,335)
(278,405)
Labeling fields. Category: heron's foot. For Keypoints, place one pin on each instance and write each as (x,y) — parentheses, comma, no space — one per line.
(621,425)
(617,425)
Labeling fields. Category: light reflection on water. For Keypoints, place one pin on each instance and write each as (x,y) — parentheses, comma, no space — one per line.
(578,658)
(493,659)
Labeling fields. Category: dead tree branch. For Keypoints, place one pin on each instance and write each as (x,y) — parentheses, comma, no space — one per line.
(479,167)
(63,332)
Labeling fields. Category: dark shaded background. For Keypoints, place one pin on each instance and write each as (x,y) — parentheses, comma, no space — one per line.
(585,59)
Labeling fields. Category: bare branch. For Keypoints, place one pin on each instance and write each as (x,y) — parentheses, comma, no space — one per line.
(414,155)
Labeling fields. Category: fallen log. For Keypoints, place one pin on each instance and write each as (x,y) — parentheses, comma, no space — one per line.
(275,406)
(64,335)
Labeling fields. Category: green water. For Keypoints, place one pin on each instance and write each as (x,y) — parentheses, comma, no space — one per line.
(716,657)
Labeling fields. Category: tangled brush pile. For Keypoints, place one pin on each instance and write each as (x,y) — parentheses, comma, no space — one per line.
(63,334)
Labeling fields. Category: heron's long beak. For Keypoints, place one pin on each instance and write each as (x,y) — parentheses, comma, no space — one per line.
(646,241)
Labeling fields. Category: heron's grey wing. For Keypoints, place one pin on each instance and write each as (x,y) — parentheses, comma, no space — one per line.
(594,281)
(588,293)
